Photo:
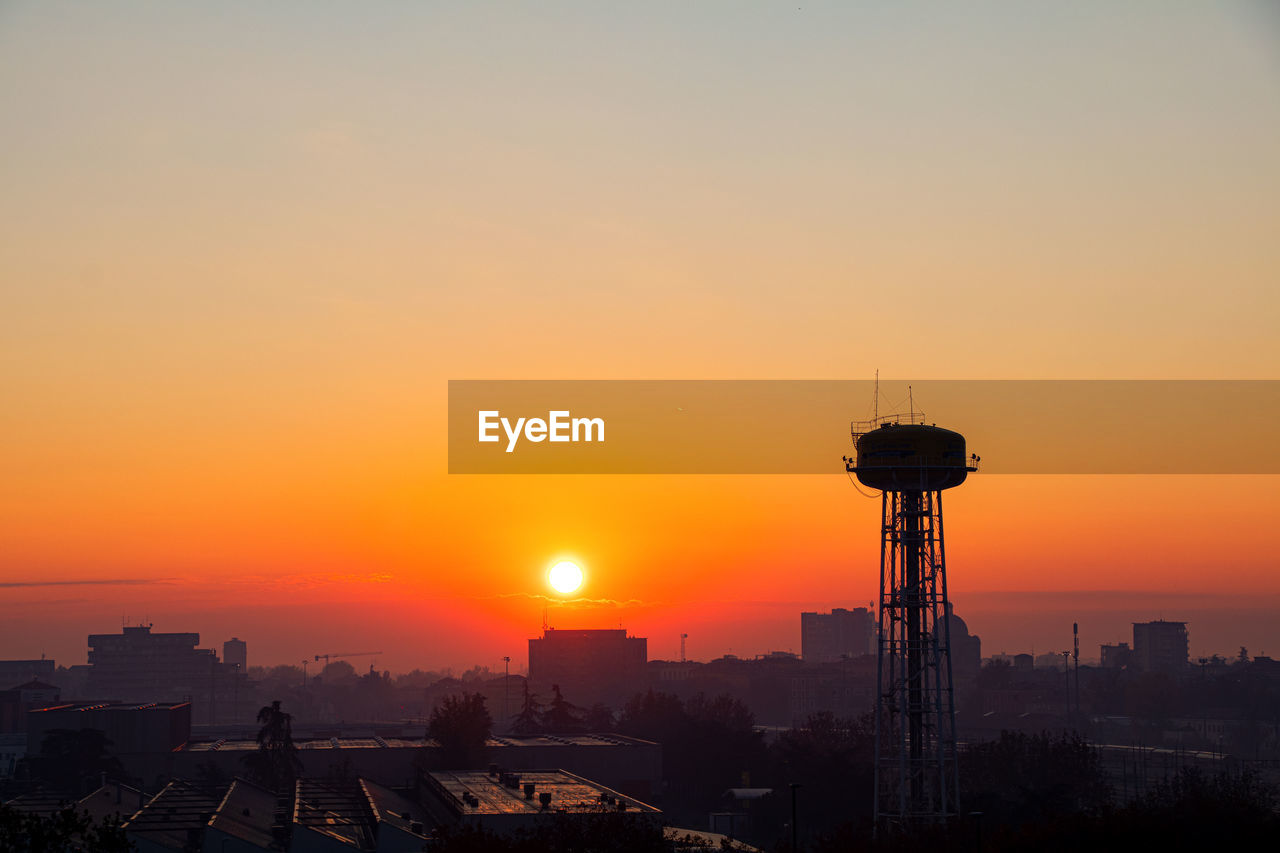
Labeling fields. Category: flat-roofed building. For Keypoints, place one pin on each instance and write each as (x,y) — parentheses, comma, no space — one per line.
(18,671)
(145,737)
(15,703)
(131,729)
(597,665)
(631,765)
(138,665)
(235,653)
(842,633)
(1114,655)
(1160,646)
(504,801)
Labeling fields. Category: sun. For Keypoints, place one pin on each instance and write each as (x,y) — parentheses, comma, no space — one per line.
(565,577)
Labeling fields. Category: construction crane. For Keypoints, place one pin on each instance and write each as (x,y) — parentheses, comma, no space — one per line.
(340,655)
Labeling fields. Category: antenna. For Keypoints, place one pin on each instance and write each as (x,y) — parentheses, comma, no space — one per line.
(911,405)
(875,415)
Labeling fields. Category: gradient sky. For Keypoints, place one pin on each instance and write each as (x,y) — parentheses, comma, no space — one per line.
(244,246)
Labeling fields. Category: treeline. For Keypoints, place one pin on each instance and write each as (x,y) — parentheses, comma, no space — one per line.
(62,830)
(1020,792)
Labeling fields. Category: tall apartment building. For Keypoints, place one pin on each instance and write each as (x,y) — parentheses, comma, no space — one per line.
(235,653)
(589,665)
(137,665)
(1159,646)
(828,637)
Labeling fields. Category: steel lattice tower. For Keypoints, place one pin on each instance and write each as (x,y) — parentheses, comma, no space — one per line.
(916,778)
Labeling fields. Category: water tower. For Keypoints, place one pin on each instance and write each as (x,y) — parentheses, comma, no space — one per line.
(912,463)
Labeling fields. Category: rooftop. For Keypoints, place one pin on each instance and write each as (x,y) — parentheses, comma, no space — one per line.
(42,802)
(340,813)
(171,817)
(391,808)
(112,706)
(247,812)
(600,740)
(113,798)
(36,684)
(523,793)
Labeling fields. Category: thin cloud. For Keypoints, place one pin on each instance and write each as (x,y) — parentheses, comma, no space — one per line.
(87,582)
(303,581)
(580,602)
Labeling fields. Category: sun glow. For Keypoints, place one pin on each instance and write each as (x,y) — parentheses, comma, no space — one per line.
(565,577)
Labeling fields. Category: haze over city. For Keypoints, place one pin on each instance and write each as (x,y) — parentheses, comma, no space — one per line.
(244,251)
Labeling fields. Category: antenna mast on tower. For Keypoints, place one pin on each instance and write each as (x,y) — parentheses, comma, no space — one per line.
(875,398)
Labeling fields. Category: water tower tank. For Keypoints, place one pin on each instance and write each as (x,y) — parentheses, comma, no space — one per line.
(911,457)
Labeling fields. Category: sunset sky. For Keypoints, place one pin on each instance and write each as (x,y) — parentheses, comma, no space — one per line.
(243,248)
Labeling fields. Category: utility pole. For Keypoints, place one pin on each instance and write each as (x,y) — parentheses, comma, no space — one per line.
(795,829)
(1066,670)
(213,670)
(1075,636)
(506,690)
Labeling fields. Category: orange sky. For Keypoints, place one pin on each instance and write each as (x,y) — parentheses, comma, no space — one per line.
(241,253)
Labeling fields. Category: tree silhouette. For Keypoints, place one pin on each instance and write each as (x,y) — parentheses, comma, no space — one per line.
(73,760)
(708,745)
(562,715)
(461,725)
(529,720)
(599,718)
(65,829)
(275,764)
(1022,777)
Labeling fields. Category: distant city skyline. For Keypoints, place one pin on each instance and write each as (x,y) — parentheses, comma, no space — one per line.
(1008,622)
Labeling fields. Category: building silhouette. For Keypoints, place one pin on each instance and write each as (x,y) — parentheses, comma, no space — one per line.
(18,671)
(1159,646)
(829,637)
(966,648)
(15,703)
(235,653)
(138,665)
(1114,655)
(600,665)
